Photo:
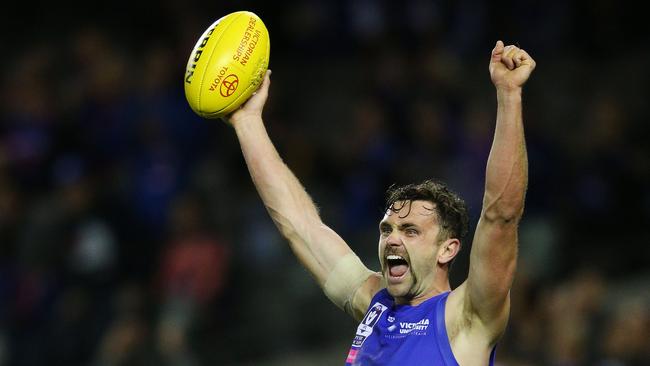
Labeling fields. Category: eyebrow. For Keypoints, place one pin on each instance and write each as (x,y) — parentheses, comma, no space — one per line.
(405,225)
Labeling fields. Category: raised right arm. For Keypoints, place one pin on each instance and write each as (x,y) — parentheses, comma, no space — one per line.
(321,250)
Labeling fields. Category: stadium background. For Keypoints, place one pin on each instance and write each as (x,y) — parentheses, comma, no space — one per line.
(130,233)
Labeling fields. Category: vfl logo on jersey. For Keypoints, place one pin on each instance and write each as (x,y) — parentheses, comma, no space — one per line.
(364,330)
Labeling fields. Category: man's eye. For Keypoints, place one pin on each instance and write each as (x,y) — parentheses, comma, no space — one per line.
(385,231)
(411,232)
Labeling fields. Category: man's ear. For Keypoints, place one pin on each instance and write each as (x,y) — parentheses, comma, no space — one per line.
(448,250)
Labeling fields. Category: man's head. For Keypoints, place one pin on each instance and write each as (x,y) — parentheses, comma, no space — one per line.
(420,234)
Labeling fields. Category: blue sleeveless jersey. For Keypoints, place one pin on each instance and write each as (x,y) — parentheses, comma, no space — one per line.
(392,334)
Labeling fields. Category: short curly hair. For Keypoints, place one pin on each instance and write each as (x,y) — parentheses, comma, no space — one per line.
(451,209)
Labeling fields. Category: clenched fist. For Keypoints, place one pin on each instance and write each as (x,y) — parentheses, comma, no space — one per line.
(510,67)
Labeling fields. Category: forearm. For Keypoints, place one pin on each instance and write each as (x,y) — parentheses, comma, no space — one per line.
(507,167)
(493,258)
(282,194)
(317,247)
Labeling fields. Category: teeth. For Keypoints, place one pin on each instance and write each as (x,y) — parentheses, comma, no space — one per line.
(394,257)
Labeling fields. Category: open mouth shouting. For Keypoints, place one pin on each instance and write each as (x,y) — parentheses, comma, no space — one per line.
(397,267)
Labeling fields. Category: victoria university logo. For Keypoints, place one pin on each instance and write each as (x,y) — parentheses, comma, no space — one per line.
(418,328)
(229,85)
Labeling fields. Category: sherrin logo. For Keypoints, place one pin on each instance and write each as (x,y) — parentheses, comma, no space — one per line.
(189,73)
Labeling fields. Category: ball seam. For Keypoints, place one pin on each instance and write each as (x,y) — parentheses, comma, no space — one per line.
(210,59)
(263,65)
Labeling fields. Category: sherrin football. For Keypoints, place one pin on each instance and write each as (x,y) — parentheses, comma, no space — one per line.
(227,64)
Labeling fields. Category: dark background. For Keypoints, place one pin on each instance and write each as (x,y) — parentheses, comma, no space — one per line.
(130,233)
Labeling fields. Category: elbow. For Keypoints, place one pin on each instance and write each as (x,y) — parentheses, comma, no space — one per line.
(289,229)
(503,212)
(296,227)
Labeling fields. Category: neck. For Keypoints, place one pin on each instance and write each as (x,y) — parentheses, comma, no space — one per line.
(439,285)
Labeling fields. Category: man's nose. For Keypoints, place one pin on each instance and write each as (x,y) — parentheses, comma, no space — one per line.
(394,239)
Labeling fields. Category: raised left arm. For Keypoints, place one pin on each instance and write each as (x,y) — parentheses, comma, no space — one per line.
(493,257)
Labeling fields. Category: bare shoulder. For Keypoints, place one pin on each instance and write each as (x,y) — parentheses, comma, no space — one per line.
(471,342)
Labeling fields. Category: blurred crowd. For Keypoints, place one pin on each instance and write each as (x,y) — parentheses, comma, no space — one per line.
(130,233)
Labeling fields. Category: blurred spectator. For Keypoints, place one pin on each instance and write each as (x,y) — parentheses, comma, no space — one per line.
(126,339)
(625,337)
(99,149)
(29,116)
(193,273)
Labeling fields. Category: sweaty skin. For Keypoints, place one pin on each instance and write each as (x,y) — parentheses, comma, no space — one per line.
(476,312)
(412,233)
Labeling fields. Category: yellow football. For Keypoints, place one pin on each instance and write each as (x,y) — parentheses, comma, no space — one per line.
(227,64)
